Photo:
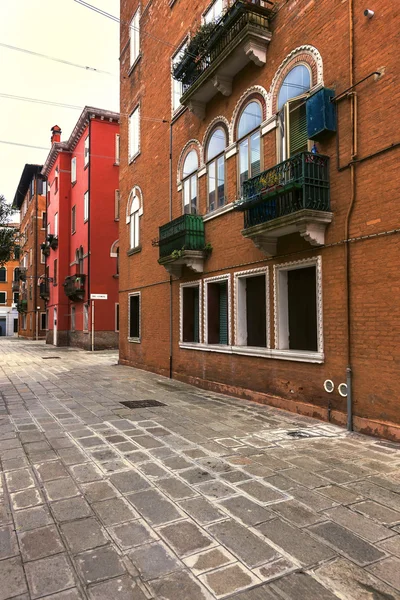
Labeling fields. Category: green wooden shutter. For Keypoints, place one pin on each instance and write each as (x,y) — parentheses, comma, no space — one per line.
(196,334)
(223,312)
(298,129)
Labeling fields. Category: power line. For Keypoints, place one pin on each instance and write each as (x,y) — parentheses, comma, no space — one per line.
(60,60)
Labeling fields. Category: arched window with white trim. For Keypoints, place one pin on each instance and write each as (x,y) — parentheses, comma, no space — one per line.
(292,112)
(134,237)
(215,157)
(189,182)
(249,141)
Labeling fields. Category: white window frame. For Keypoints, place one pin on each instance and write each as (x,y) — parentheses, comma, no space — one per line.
(211,11)
(73,169)
(135,193)
(206,282)
(86,206)
(134,133)
(5,297)
(117,149)
(134,38)
(42,257)
(56,223)
(135,340)
(240,328)
(175,84)
(281,324)
(43,220)
(86,151)
(198,284)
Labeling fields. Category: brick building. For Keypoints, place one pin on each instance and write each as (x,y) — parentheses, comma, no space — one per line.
(9,293)
(82,232)
(258,180)
(30,201)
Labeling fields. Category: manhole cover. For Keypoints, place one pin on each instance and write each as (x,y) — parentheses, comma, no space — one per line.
(50,357)
(298,435)
(142,403)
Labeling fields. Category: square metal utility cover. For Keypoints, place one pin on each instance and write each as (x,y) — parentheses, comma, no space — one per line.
(142,403)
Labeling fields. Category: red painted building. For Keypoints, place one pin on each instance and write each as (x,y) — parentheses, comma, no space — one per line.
(82,233)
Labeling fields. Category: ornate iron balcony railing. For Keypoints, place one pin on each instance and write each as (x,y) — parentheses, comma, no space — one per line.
(301,182)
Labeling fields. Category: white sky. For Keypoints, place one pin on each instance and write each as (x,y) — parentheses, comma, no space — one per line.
(63,29)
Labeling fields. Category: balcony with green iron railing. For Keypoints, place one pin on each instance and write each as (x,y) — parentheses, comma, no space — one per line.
(240,36)
(291,197)
(74,287)
(181,243)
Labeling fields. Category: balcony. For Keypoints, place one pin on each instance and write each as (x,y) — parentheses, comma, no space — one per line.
(291,197)
(241,36)
(22,306)
(74,287)
(15,283)
(44,290)
(22,273)
(181,243)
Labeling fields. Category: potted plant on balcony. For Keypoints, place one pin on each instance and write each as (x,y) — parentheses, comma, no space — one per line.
(45,249)
(186,67)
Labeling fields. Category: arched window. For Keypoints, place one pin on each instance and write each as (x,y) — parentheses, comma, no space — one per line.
(114,253)
(134,222)
(216,169)
(189,182)
(292,112)
(248,134)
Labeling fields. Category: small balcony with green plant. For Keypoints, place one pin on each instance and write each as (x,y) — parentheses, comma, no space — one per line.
(181,244)
(74,287)
(44,290)
(22,306)
(219,50)
(291,197)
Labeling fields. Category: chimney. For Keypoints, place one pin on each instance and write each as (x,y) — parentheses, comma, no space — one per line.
(55,134)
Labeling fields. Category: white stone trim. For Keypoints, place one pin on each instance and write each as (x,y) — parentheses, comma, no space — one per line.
(206,281)
(292,355)
(231,150)
(201,172)
(214,125)
(241,103)
(198,284)
(236,304)
(268,125)
(135,191)
(135,340)
(113,251)
(218,212)
(300,264)
(182,156)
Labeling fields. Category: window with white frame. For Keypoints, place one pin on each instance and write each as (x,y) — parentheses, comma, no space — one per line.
(191,313)
(251,308)
(189,182)
(73,315)
(117,149)
(249,142)
(86,151)
(292,119)
(217,307)
(134,38)
(73,219)
(42,257)
(85,317)
(177,86)
(133,220)
(214,13)
(73,169)
(86,206)
(216,168)
(56,224)
(133,133)
(15,297)
(134,317)
(298,306)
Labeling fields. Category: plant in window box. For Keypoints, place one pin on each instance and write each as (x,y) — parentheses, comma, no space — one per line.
(207,249)
(269,181)
(186,68)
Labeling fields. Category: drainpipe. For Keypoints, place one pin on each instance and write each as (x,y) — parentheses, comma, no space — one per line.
(170,277)
(353,109)
(88,225)
(36,257)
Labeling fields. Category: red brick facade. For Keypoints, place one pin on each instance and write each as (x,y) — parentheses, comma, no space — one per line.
(319,34)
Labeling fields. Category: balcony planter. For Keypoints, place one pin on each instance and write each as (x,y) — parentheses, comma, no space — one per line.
(54,243)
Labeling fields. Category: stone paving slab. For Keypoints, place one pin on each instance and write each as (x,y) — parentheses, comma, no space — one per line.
(206,497)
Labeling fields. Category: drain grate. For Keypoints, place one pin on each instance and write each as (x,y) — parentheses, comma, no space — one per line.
(142,403)
(50,357)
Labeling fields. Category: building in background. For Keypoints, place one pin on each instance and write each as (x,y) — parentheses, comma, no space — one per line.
(259,250)
(9,293)
(81,250)
(30,201)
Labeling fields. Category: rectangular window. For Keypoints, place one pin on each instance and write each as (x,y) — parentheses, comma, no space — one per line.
(73,170)
(134,36)
(43,321)
(117,317)
(133,134)
(42,257)
(177,86)
(3,297)
(214,13)
(85,317)
(55,272)
(216,183)
(134,317)
(86,151)
(251,310)
(190,315)
(56,224)
(217,311)
(86,206)
(190,195)
(117,149)
(116,205)
(73,219)
(298,317)
(73,318)
(15,325)
(15,297)
(43,220)
(3,274)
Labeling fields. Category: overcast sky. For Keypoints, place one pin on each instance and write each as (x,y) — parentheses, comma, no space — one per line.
(62,29)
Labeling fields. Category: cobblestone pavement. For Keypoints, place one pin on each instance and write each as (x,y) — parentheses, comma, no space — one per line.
(203,497)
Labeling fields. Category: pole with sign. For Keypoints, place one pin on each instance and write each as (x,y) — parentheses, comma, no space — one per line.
(94,297)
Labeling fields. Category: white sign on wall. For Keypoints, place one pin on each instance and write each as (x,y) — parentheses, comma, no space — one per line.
(98,296)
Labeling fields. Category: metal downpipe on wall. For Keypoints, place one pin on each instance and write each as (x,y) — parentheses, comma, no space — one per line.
(170,278)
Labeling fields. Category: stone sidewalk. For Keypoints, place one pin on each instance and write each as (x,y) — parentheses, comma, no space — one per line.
(201,497)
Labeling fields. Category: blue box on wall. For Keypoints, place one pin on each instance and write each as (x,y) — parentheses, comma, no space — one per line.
(321,114)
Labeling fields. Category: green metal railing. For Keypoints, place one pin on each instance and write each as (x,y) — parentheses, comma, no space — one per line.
(300,182)
(184,233)
(74,287)
(241,16)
